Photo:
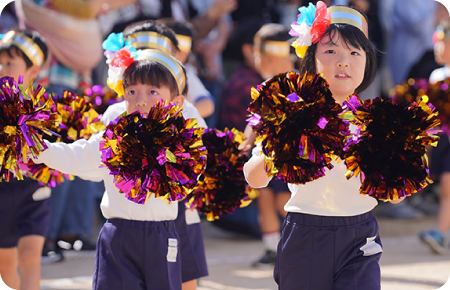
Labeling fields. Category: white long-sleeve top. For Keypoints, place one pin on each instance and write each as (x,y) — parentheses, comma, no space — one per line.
(331,195)
(82,158)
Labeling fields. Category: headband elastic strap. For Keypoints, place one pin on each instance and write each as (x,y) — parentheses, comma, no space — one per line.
(26,45)
(347,15)
(151,39)
(167,61)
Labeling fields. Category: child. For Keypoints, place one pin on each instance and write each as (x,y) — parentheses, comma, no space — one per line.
(440,156)
(330,237)
(188,221)
(138,245)
(24,205)
(198,95)
(273,54)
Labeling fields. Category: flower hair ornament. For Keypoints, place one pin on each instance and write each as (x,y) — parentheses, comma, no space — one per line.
(25,44)
(124,57)
(440,34)
(313,21)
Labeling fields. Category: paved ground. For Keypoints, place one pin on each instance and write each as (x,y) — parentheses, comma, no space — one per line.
(406,264)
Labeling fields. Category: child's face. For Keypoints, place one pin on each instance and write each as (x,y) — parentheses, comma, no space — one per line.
(442,52)
(182,56)
(140,97)
(341,65)
(15,66)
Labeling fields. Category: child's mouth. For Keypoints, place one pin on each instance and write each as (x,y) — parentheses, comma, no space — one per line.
(342,76)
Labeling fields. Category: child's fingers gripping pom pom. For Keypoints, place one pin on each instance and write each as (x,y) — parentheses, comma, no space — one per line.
(222,187)
(78,120)
(388,149)
(162,154)
(23,121)
(296,119)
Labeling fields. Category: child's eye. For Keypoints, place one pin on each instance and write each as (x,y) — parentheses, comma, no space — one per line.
(153,93)
(355,53)
(131,92)
(330,51)
(10,63)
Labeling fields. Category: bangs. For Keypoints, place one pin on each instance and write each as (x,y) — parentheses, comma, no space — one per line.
(13,51)
(149,72)
(349,35)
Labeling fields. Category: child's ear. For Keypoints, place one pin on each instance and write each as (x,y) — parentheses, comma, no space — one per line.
(33,71)
(179,100)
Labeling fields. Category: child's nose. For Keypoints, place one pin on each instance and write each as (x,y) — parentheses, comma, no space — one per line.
(141,101)
(343,62)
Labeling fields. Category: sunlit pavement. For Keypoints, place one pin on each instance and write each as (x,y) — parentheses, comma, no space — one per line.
(406,264)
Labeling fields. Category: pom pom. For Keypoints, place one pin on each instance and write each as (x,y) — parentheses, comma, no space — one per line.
(78,120)
(388,149)
(296,119)
(222,188)
(44,174)
(101,98)
(438,94)
(409,91)
(162,154)
(22,125)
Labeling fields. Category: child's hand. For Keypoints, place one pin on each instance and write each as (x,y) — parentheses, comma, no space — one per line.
(245,149)
(397,200)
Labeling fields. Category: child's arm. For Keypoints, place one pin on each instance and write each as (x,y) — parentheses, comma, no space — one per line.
(254,170)
(81,158)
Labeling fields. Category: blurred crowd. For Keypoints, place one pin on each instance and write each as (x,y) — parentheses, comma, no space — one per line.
(224,58)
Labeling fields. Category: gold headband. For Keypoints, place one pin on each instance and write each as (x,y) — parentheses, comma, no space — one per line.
(347,15)
(277,48)
(151,39)
(184,42)
(26,45)
(167,61)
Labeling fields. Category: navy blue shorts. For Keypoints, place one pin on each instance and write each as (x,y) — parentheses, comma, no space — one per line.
(193,259)
(278,185)
(137,255)
(329,253)
(440,157)
(24,211)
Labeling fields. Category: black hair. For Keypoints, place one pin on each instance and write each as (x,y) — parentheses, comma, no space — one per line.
(153,73)
(242,34)
(150,25)
(35,36)
(351,36)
